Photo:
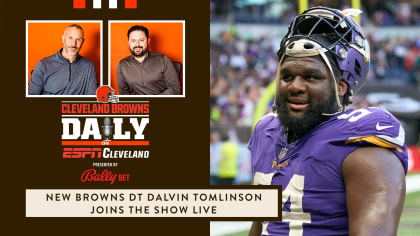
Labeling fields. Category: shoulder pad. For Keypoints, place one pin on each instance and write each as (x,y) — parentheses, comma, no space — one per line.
(373,125)
(268,120)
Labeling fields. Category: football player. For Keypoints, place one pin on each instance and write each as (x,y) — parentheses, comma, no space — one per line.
(342,172)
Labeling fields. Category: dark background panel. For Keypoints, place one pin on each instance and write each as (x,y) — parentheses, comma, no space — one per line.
(178,131)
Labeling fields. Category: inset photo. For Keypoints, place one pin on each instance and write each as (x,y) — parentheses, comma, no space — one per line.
(147,58)
(63,58)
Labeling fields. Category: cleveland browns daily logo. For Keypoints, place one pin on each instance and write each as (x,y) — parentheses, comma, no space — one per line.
(105,131)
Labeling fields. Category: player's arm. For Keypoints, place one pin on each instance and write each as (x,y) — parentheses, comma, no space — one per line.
(375,191)
(256,229)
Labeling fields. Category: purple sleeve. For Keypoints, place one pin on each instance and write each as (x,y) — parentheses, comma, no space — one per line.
(375,127)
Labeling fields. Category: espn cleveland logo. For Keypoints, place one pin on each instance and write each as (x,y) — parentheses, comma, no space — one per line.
(97,4)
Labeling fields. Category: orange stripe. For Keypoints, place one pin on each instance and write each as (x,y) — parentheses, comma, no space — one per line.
(375,140)
(130,3)
(105,143)
(79,4)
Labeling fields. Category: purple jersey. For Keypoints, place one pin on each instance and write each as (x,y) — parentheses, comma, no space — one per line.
(309,170)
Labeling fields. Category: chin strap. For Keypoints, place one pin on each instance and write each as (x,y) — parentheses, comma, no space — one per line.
(337,97)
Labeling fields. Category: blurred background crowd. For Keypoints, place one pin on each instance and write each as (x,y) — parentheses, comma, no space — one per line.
(377,12)
(244,38)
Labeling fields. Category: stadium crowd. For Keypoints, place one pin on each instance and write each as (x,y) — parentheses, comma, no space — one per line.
(379,13)
(241,67)
(389,13)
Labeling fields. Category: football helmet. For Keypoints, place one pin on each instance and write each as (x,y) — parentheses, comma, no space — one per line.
(105,94)
(345,41)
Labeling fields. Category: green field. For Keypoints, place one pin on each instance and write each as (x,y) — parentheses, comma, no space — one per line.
(410,219)
(409,223)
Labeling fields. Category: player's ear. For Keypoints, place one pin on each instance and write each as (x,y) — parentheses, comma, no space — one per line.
(342,87)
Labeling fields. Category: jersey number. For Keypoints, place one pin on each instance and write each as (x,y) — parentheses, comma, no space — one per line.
(294,192)
(352,117)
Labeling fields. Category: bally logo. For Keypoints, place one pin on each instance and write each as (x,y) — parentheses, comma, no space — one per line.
(97,4)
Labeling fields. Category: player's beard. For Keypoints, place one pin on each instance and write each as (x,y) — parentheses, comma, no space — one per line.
(311,117)
(141,53)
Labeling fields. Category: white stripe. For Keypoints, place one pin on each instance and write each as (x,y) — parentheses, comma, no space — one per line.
(97,3)
(228,227)
(399,140)
(113,4)
(263,178)
(413,183)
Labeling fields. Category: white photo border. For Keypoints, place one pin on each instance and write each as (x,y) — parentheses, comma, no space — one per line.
(62,21)
(149,21)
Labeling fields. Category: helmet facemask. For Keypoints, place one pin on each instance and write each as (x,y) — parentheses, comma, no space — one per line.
(321,31)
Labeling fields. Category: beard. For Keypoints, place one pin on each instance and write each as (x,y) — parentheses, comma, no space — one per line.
(70,53)
(139,54)
(311,117)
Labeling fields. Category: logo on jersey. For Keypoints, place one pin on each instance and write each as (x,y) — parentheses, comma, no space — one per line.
(282,153)
(279,165)
(379,127)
